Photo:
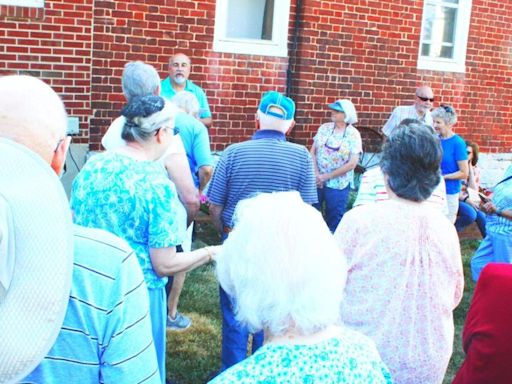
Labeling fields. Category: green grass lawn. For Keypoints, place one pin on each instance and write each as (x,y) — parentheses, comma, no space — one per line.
(192,355)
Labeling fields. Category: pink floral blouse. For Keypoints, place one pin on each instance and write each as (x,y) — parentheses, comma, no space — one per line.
(404,280)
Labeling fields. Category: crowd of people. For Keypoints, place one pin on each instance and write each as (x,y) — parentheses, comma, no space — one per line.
(318,293)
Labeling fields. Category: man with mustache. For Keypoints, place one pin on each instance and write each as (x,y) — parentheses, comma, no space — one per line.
(177,81)
(420,110)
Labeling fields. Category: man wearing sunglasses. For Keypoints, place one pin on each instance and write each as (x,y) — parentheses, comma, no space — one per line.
(420,110)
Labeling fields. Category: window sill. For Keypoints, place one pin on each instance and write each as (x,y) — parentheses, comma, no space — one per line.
(441,65)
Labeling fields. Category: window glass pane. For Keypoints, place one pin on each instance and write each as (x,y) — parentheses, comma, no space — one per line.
(250,19)
(429,21)
(439,31)
(451,1)
(425,50)
(446,52)
(448,22)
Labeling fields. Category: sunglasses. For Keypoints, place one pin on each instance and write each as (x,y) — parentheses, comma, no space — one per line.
(447,108)
(431,99)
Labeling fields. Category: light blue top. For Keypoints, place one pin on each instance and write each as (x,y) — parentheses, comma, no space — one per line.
(454,149)
(132,199)
(196,141)
(167,91)
(106,335)
(349,358)
(502,199)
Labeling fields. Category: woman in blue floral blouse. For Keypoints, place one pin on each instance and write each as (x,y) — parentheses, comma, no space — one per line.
(127,192)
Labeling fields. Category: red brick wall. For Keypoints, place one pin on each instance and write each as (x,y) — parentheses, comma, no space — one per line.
(53,44)
(362,50)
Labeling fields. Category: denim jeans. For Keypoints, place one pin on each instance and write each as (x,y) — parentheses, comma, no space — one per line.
(235,336)
(466,215)
(335,204)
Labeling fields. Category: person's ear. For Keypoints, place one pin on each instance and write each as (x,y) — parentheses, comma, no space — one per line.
(59,156)
(291,127)
(160,134)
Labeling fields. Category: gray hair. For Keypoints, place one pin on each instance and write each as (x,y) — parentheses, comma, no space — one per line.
(410,158)
(144,116)
(445,113)
(289,251)
(273,123)
(187,101)
(139,79)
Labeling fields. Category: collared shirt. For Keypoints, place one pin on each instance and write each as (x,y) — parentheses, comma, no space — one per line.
(168,92)
(405,112)
(267,163)
(106,335)
(196,141)
(132,199)
(502,199)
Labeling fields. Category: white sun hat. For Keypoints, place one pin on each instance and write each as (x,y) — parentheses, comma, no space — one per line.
(36,259)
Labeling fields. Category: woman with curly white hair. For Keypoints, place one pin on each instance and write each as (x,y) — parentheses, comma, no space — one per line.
(283,268)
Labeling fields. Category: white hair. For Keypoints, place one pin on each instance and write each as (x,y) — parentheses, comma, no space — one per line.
(273,123)
(187,101)
(282,266)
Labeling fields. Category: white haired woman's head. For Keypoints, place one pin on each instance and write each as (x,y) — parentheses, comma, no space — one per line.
(282,265)
(187,102)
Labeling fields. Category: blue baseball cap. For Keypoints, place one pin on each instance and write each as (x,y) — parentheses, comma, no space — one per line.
(337,106)
(278,105)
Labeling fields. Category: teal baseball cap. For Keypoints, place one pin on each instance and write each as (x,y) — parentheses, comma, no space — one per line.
(278,105)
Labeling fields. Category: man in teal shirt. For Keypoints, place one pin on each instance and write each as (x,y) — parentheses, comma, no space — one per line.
(179,71)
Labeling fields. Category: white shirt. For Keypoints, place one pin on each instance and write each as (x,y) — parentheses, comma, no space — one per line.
(113,140)
(405,112)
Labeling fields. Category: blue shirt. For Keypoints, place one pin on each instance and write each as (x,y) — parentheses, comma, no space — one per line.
(350,358)
(502,199)
(106,335)
(196,141)
(267,163)
(454,149)
(132,199)
(167,91)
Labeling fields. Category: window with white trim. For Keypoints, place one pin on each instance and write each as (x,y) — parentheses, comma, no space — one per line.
(24,3)
(254,27)
(444,35)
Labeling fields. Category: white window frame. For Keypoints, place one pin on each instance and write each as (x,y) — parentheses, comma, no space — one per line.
(458,63)
(24,3)
(278,46)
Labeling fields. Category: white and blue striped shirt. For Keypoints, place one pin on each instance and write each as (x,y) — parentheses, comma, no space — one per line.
(267,163)
(106,335)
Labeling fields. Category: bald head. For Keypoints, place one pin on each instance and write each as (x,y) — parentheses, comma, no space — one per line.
(31,114)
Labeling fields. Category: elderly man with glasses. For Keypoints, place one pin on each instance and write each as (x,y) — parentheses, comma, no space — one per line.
(420,110)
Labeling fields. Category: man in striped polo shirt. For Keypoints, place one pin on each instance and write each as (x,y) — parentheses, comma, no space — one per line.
(106,334)
(266,163)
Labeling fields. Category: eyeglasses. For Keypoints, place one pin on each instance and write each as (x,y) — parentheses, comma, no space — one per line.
(431,99)
(60,142)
